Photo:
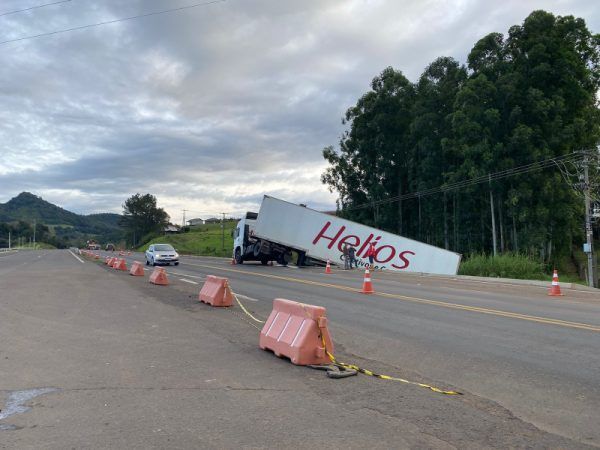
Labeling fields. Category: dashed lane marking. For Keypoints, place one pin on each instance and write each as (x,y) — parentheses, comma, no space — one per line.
(494,312)
(76,257)
(187,281)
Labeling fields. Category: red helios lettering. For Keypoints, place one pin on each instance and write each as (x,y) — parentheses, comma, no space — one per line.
(405,261)
(365,245)
(332,239)
(346,240)
(391,253)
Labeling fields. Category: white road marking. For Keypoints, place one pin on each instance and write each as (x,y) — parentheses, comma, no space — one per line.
(76,257)
(246,297)
(187,281)
(189,276)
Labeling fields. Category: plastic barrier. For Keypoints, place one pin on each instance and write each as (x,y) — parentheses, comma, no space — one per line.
(294,330)
(137,270)
(110,262)
(159,276)
(216,292)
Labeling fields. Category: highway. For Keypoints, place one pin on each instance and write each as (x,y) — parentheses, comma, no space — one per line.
(528,364)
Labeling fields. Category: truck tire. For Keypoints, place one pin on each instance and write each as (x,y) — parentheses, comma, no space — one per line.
(238,256)
(256,249)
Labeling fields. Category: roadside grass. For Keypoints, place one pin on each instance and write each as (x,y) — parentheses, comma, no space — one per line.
(37,246)
(203,240)
(503,266)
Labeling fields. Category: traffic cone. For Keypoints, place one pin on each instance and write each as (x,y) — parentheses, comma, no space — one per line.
(233,263)
(367,285)
(555,288)
(328,267)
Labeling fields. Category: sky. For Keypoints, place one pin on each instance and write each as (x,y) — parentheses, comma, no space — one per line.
(210,108)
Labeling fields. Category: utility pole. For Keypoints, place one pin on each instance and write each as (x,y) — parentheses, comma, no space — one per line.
(9,239)
(493,216)
(223,231)
(183,221)
(34,226)
(588,222)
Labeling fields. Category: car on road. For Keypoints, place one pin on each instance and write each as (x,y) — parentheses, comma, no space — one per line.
(161,254)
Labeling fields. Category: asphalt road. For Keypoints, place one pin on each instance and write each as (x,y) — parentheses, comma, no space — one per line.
(528,364)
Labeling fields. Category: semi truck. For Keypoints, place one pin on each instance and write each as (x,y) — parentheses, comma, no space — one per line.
(281,229)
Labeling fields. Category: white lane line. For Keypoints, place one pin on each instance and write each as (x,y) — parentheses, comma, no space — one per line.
(76,257)
(247,298)
(187,281)
(186,275)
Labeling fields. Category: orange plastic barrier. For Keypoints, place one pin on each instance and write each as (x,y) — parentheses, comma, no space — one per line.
(120,264)
(216,292)
(137,269)
(110,262)
(294,330)
(159,276)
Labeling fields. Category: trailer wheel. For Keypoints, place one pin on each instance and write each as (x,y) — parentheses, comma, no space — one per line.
(238,256)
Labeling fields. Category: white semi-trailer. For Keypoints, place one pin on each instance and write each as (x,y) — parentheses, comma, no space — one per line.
(281,228)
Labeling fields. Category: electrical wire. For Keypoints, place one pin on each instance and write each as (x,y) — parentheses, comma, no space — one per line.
(108,22)
(33,7)
(527,168)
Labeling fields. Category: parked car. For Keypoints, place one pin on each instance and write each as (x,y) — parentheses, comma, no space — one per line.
(161,254)
(110,247)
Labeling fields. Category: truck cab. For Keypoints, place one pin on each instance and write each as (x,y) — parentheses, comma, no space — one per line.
(247,246)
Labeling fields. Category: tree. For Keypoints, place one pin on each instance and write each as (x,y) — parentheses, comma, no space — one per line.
(142,216)
(525,98)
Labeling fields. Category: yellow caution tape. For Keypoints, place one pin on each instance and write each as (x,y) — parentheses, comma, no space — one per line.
(383,377)
(243,307)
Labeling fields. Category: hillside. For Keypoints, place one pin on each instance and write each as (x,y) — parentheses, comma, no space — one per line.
(63,226)
(206,240)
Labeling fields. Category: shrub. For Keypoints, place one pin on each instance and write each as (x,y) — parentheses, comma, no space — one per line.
(508,265)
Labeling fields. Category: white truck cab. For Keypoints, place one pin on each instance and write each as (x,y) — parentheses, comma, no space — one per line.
(247,246)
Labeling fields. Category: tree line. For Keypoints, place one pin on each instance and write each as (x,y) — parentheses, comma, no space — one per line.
(520,99)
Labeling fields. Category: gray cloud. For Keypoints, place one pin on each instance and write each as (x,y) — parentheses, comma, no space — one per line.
(213,107)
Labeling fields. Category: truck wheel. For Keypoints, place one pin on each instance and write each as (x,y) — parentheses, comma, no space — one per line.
(238,256)
(256,250)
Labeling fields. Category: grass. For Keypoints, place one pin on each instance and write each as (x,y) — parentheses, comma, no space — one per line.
(37,246)
(504,266)
(204,240)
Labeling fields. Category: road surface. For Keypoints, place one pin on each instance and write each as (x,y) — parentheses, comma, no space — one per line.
(528,364)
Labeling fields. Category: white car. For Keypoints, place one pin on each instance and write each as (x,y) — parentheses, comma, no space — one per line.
(161,254)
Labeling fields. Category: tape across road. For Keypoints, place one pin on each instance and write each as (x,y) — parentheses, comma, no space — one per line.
(494,312)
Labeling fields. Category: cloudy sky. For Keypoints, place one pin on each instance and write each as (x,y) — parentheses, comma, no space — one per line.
(209,108)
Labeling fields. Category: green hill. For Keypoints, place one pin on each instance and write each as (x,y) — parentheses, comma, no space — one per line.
(62,227)
(205,240)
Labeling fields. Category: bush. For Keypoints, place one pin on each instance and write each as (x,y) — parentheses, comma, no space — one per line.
(503,266)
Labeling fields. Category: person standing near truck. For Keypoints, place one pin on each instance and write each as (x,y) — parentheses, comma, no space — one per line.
(346,257)
(352,256)
(371,254)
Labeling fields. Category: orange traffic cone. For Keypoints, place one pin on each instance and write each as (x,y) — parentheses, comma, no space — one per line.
(328,267)
(367,285)
(555,288)
(233,263)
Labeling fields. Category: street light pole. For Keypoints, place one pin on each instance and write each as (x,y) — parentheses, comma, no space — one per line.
(223,231)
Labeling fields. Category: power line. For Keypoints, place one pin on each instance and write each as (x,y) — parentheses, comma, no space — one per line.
(33,7)
(108,22)
(532,167)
